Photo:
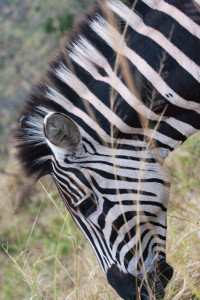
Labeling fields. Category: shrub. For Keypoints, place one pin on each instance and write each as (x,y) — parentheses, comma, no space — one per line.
(60,23)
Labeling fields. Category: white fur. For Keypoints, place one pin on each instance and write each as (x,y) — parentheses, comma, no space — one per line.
(139,26)
(110,35)
(175,13)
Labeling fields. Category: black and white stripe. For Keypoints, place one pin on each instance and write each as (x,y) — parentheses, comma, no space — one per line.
(118,163)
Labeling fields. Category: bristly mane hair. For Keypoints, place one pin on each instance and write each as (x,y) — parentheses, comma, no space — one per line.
(33,153)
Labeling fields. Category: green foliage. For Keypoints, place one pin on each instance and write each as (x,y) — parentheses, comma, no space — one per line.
(187,161)
(65,22)
(38,8)
(49,26)
(60,23)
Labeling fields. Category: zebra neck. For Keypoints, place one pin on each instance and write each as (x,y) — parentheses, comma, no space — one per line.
(151,95)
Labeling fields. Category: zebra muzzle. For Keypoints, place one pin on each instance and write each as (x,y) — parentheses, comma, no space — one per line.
(130,287)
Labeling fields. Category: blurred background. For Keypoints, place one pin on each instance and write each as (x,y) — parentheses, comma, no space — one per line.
(42,253)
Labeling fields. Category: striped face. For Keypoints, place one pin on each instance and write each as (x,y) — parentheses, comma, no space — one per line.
(120,96)
(117,197)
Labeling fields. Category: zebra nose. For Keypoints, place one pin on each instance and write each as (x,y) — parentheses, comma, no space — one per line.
(130,287)
(125,284)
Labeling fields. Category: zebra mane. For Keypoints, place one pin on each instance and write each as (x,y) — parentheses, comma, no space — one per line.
(33,151)
(69,72)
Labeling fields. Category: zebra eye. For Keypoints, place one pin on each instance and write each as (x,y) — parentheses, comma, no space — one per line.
(88,206)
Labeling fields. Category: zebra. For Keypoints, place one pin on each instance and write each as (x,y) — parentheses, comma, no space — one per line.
(122,93)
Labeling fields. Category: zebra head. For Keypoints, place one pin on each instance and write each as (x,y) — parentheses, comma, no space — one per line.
(107,166)
(118,199)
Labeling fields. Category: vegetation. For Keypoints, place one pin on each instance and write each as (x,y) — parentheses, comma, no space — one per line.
(60,23)
(43,255)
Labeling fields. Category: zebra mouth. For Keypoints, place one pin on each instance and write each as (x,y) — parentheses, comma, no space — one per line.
(130,287)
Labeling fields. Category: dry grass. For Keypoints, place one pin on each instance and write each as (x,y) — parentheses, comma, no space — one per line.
(44,255)
(183,220)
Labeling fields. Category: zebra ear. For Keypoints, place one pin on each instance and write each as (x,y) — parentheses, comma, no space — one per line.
(62,131)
